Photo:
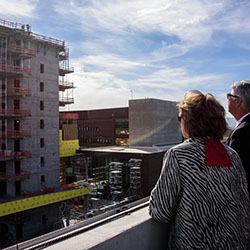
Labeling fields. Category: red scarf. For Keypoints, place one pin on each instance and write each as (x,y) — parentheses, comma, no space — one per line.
(216,154)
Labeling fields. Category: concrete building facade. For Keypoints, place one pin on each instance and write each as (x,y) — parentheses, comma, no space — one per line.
(153,122)
(31,66)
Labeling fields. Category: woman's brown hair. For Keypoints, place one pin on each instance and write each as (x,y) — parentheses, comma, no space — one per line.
(202,115)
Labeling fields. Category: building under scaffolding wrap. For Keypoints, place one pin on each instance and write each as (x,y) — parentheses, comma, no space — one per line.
(33,70)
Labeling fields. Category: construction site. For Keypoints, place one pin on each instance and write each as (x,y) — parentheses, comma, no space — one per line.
(33,70)
(46,181)
(37,142)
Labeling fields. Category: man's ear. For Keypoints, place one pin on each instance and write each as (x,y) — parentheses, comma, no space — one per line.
(238,102)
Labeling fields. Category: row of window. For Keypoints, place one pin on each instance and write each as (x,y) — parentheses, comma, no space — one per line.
(95,140)
(17,125)
(3,187)
(17,145)
(17,165)
(83,128)
(17,85)
(17,105)
(97,129)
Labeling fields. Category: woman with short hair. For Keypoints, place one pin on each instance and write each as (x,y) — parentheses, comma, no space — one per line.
(202,190)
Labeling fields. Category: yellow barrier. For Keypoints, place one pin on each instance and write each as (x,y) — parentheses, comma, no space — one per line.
(68,147)
(40,200)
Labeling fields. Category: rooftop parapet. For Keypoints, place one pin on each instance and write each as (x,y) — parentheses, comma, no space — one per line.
(48,39)
(26,29)
(131,229)
(12,25)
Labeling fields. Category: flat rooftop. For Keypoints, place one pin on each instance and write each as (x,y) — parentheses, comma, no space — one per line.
(128,149)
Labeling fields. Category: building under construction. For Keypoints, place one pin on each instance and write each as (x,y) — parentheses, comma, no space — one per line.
(32,87)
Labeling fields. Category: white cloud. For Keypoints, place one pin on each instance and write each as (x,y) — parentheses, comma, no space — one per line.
(120,26)
(129,45)
(188,21)
(110,63)
(105,89)
(235,18)
(18,8)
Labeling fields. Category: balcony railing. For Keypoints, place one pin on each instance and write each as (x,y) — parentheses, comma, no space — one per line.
(20,49)
(9,154)
(65,70)
(18,91)
(65,85)
(17,133)
(8,176)
(65,100)
(9,69)
(14,112)
(63,55)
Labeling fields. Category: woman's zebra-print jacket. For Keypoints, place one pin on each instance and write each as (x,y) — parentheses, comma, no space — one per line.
(207,207)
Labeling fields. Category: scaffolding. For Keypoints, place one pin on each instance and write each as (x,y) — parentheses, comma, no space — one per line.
(115,179)
(134,191)
(15,55)
(65,87)
(20,51)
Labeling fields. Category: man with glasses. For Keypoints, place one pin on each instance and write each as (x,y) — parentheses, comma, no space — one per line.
(239,107)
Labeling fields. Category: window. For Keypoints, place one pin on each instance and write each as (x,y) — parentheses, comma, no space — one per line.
(16,104)
(17,167)
(41,68)
(42,181)
(3,125)
(3,188)
(17,145)
(3,166)
(42,161)
(41,142)
(41,105)
(18,188)
(41,86)
(16,124)
(17,63)
(3,105)
(41,124)
(42,178)
(16,83)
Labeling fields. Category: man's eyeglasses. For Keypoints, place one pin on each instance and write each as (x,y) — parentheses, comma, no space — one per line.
(179,117)
(229,95)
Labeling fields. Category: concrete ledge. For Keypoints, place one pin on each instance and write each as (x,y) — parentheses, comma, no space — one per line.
(135,231)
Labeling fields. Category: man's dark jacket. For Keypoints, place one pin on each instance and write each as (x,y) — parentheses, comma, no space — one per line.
(239,140)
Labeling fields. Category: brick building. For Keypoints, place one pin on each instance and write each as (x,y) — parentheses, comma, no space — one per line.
(103,127)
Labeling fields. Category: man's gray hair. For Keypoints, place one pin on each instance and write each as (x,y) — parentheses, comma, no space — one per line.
(242,89)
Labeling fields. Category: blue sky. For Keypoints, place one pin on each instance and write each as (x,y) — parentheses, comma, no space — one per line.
(142,48)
